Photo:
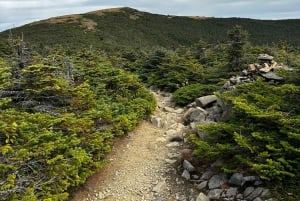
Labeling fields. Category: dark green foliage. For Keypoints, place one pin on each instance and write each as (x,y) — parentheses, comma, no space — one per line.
(237,39)
(169,71)
(58,119)
(262,129)
(188,94)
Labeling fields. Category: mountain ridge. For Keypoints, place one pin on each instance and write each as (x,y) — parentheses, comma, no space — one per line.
(125,27)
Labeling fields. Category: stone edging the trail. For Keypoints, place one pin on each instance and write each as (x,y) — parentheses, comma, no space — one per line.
(154,162)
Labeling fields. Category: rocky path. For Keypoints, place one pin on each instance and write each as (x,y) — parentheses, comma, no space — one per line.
(142,165)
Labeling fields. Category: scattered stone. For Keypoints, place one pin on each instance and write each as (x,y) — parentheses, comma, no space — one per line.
(202,185)
(179,111)
(170,161)
(215,194)
(265,57)
(207,175)
(191,105)
(204,101)
(173,155)
(195,177)
(168,109)
(271,76)
(258,199)
(173,144)
(186,175)
(157,121)
(239,196)
(231,192)
(195,115)
(248,191)
(171,132)
(216,181)
(160,187)
(158,199)
(202,197)
(252,68)
(236,179)
(188,166)
(256,193)
(161,139)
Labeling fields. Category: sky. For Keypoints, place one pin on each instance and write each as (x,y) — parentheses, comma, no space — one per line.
(14,13)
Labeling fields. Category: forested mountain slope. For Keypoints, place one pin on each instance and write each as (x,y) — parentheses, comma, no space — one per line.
(127,27)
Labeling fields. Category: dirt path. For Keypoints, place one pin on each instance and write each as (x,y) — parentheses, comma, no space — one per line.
(141,165)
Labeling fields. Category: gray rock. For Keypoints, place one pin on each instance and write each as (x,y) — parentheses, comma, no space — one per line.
(239,196)
(248,191)
(236,179)
(160,187)
(258,199)
(231,192)
(207,175)
(171,161)
(157,121)
(179,111)
(195,115)
(256,193)
(191,105)
(206,100)
(158,199)
(226,86)
(195,177)
(250,179)
(258,183)
(215,194)
(214,113)
(271,76)
(202,185)
(216,181)
(169,109)
(173,144)
(265,193)
(186,175)
(188,166)
(245,72)
(202,197)
(265,57)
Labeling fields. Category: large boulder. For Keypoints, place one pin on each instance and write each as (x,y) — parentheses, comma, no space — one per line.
(205,101)
(195,115)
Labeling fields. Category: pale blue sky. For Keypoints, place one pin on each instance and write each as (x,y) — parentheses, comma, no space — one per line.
(14,13)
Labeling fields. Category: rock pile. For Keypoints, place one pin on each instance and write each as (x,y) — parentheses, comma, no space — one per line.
(265,68)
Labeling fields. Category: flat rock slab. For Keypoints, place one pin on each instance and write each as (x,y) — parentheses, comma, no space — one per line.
(206,100)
